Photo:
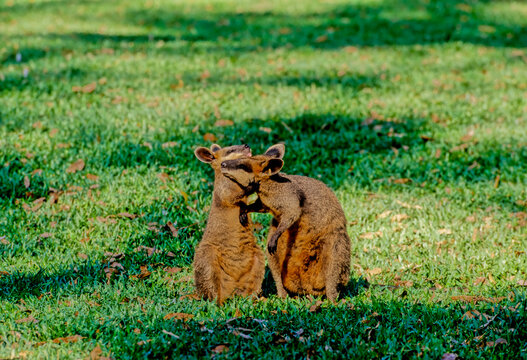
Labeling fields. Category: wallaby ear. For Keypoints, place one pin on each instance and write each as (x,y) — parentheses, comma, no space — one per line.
(204,154)
(215,147)
(273,167)
(276,151)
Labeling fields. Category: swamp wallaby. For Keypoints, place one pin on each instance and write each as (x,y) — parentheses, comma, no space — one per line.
(227,260)
(308,247)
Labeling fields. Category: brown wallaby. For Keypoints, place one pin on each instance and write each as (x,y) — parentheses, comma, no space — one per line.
(309,247)
(227,260)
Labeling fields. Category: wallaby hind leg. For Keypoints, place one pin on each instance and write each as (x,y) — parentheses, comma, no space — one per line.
(338,267)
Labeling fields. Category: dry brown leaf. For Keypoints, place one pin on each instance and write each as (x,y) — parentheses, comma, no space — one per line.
(29,319)
(4,240)
(472,314)
(190,297)
(402,181)
(224,122)
(210,137)
(169,144)
(220,349)
(497,342)
(449,356)
(178,316)
(27,183)
(76,166)
(266,129)
(474,299)
(384,214)
(172,228)
(321,38)
(371,235)
(444,232)
(374,271)
(89,88)
(164,177)
(522,282)
(399,217)
(68,339)
(92,177)
(46,235)
(127,215)
(144,273)
(82,256)
(172,270)
(315,307)
(96,353)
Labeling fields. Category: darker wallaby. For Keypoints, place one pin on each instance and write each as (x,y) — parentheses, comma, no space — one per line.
(227,260)
(308,246)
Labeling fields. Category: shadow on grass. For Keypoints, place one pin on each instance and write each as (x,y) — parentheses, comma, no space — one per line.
(383,23)
(364,329)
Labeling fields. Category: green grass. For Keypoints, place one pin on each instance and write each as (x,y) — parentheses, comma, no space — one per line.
(402,107)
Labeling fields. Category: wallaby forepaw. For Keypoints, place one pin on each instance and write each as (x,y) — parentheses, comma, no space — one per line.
(271,247)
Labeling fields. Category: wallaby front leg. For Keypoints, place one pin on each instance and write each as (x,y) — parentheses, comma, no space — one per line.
(283,225)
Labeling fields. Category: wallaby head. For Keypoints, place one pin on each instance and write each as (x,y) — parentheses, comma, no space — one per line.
(246,171)
(216,154)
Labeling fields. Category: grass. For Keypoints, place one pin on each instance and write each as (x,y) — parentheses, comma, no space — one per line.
(412,111)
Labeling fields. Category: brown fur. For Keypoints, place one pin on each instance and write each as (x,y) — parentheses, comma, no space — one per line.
(227,260)
(308,246)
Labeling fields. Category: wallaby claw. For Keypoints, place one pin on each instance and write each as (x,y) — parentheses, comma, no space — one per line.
(271,246)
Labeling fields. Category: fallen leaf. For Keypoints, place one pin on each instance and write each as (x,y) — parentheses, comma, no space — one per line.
(190,297)
(178,316)
(144,272)
(315,307)
(220,349)
(399,217)
(4,241)
(127,215)
(375,271)
(170,334)
(522,282)
(449,356)
(384,214)
(68,339)
(172,228)
(224,123)
(89,88)
(169,144)
(497,342)
(266,129)
(29,319)
(172,270)
(76,166)
(46,235)
(321,38)
(82,256)
(96,353)
(474,299)
(27,183)
(92,177)
(210,137)
(402,181)
(444,232)
(164,177)
(472,314)
(371,235)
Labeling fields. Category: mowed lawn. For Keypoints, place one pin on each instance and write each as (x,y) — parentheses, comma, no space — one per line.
(414,112)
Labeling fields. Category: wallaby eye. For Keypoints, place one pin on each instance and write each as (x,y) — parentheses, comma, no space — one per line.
(244,167)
